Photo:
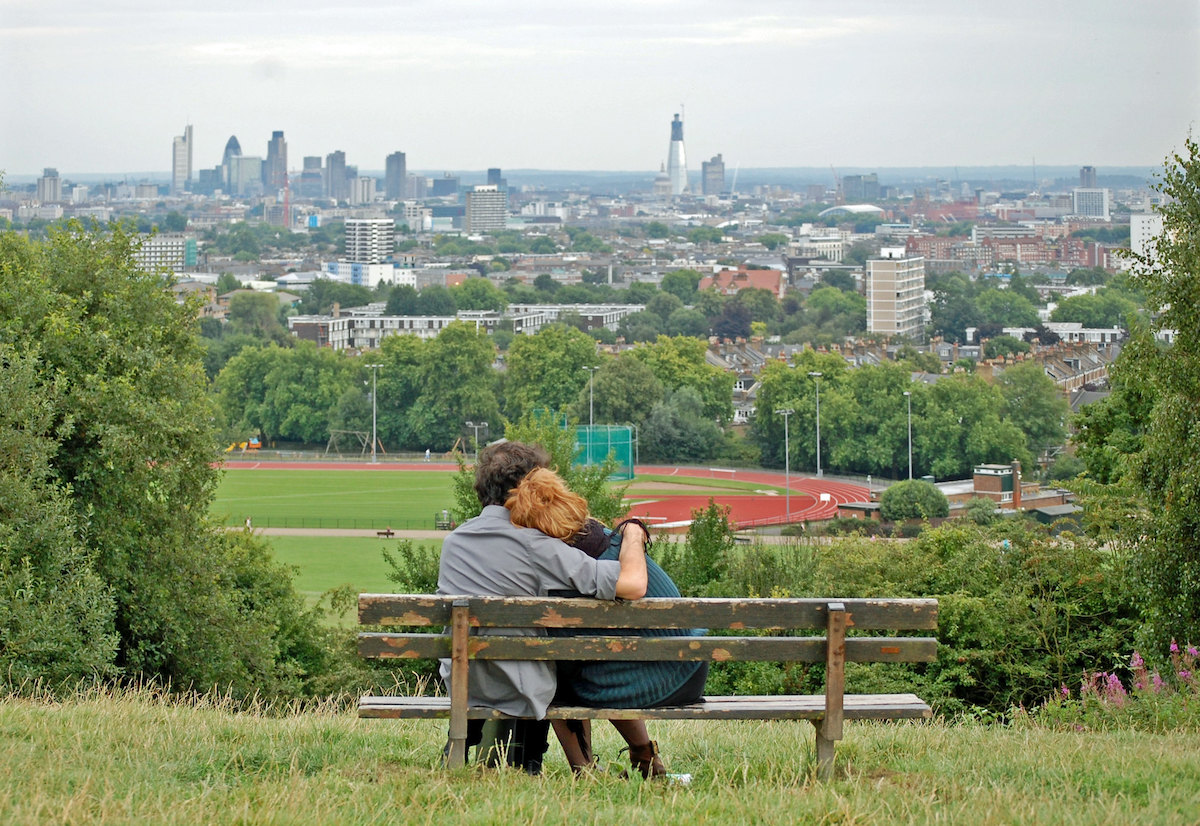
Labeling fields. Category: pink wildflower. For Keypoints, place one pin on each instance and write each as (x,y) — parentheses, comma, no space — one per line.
(1174,647)
(1192,652)
(1156,681)
(1136,660)
(1184,674)
(1066,692)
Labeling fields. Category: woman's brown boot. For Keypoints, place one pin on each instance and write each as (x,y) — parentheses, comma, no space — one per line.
(646,760)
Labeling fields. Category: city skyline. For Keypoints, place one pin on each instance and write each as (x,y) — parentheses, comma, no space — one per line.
(465,85)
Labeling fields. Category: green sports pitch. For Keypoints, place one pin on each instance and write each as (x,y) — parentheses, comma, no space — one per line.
(352,498)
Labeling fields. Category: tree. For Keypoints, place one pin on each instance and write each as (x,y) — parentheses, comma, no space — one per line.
(545,370)
(1006,308)
(657,229)
(772,240)
(662,304)
(624,390)
(681,284)
(677,430)
(1034,403)
(1165,531)
(1000,346)
(1107,308)
(175,221)
(457,384)
(761,304)
(679,362)
(402,300)
(687,322)
(913,499)
(436,300)
(257,314)
(323,293)
(479,294)
(118,366)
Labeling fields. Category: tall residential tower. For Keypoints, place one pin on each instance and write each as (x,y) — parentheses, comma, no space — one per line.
(275,170)
(677,159)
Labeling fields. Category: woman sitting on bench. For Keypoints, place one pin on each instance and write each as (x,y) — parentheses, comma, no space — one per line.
(542,501)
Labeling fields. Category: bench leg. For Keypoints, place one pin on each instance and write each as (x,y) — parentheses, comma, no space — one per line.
(824,752)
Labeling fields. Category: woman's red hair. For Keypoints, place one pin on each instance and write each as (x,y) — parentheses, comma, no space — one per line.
(543,501)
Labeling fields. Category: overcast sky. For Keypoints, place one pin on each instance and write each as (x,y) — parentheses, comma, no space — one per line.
(589,84)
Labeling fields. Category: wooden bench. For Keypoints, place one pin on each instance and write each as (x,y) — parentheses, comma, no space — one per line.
(386,533)
(604,635)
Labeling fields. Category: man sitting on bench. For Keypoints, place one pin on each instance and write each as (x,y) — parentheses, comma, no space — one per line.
(489,556)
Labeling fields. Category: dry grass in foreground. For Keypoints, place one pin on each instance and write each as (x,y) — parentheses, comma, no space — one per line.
(137,757)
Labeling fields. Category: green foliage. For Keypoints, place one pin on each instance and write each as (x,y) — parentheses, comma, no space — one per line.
(132,453)
(323,293)
(56,614)
(677,430)
(680,362)
(1006,308)
(413,568)
(698,565)
(1034,403)
(545,370)
(1001,346)
(1109,307)
(1166,472)
(913,499)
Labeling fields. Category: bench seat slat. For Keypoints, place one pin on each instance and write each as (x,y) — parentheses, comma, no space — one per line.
(783,707)
(634,648)
(416,610)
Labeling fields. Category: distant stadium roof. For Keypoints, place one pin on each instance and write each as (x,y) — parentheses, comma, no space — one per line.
(851,209)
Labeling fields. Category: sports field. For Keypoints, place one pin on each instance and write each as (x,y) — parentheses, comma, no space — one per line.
(343,498)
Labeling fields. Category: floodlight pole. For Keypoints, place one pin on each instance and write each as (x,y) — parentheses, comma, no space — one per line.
(787,465)
(591,407)
(816,377)
(908,397)
(374,418)
(476,427)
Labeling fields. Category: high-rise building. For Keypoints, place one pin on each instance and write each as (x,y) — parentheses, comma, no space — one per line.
(49,187)
(1090,203)
(494,178)
(712,176)
(1144,229)
(166,250)
(677,159)
(395,177)
(1087,177)
(487,209)
(859,188)
(337,186)
(445,185)
(311,181)
(362,190)
(275,169)
(245,175)
(369,240)
(896,294)
(232,150)
(181,161)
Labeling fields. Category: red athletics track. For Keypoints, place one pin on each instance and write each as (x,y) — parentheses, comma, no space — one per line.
(746,510)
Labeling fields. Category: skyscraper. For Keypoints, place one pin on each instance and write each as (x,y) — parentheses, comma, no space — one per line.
(677,159)
(232,150)
(395,177)
(336,185)
(181,161)
(311,182)
(49,187)
(1087,177)
(275,168)
(712,176)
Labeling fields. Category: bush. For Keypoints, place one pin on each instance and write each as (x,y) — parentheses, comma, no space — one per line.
(700,563)
(913,499)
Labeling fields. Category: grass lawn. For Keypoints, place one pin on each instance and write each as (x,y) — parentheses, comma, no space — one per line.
(134,757)
(404,500)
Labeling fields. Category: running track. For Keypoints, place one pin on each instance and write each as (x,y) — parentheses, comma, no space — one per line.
(747,510)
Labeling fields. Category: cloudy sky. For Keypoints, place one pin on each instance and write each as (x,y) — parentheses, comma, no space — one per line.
(592,84)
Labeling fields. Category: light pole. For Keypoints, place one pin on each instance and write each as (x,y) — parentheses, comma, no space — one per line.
(591,407)
(816,377)
(477,426)
(787,464)
(908,397)
(374,382)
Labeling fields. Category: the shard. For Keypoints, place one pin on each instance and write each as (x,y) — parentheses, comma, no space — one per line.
(677,159)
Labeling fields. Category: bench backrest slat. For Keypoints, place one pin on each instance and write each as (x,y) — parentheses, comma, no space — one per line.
(409,610)
(636,648)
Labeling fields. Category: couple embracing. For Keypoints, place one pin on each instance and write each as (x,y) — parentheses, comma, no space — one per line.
(518,546)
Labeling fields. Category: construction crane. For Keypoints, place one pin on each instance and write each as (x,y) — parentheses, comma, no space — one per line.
(838,196)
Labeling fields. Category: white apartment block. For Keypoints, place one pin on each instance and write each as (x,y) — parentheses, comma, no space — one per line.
(369,240)
(487,209)
(1090,203)
(895,287)
(1144,229)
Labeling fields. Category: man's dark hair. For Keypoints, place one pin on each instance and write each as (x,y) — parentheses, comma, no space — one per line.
(502,466)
